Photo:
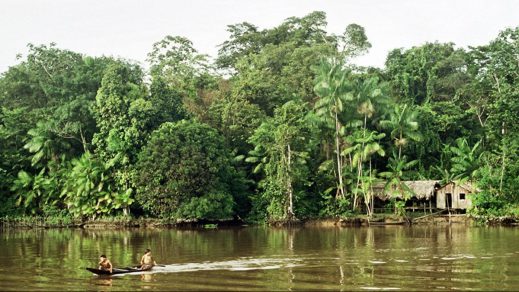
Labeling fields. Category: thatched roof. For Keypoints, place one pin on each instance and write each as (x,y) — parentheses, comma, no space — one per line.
(422,189)
(468,186)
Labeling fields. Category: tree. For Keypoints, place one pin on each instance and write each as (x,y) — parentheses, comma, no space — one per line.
(361,146)
(278,73)
(334,89)
(353,42)
(167,103)
(34,192)
(403,126)
(282,148)
(431,72)
(46,116)
(236,119)
(495,70)
(395,175)
(181,77)
(273,66)
(122,115)
(246,39)
(180,65)
(185,172)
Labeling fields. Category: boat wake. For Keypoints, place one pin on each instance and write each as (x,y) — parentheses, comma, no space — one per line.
(241,264)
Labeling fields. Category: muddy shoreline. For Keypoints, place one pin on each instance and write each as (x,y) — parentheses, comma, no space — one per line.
(357,221)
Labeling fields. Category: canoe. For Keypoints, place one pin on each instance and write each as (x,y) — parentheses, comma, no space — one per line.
(116,271)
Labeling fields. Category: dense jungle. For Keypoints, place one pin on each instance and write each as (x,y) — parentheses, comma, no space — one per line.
(280,125)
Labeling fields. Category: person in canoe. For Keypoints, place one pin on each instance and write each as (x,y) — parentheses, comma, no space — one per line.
(105,264)
(147,261)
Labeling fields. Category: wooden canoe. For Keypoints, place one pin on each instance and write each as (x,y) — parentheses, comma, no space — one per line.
(116,271)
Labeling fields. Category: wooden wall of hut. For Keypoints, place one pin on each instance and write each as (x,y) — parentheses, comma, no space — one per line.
(453,196)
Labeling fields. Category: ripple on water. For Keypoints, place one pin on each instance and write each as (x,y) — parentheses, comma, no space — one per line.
(401,261)
(380,288)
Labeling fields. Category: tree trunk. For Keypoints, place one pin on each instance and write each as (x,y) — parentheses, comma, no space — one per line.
(369,199)
(359,167)
(340,190)
(83,140)
(400,146)
(289,185)
(503,160)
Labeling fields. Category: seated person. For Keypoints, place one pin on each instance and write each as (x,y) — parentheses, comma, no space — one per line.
(147,261)
(105,264)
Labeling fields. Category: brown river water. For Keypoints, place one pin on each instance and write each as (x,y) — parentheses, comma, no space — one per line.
(261,258)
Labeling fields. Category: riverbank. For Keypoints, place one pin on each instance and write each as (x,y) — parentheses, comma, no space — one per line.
(29,222)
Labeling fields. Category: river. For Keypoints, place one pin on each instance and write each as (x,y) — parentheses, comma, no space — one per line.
(262,258)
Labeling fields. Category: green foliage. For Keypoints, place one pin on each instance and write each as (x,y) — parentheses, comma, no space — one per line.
(174,60)
(36,191)
(403,126)
(431,72)
(236,119)
(274,65)
(363,144)
(89,189)
(166,102)
(45,144)
(183,165)
(123,117)
(282,126)
(334,90)
(246,39)
(211,206)
(494,67)
(398,170)
(119,117)
(282,148)
(465,159)
(182,80)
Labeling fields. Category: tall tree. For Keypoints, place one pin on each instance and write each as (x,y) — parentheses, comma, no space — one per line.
(282,148)
(334,89)
(181,78)
(403,126)
(122,115)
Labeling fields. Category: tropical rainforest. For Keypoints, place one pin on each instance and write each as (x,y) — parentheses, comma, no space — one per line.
(280,125)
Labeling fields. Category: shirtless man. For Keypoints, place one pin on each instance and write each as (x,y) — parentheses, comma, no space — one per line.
(105,264)
(147,261)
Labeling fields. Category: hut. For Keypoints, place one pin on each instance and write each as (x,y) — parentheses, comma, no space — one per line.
(454,196)
(423,194)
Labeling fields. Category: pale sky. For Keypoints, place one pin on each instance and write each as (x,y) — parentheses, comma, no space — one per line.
(128,28)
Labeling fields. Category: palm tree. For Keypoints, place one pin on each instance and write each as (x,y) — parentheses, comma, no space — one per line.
(403,125)
(369,96)
(363,145)
(395,175)
(334,90)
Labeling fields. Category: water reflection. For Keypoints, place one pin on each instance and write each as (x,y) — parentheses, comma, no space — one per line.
(146,277)
(102,281)
(418,257)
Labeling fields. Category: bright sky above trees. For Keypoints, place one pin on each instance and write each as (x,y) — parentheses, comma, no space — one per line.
(128,28)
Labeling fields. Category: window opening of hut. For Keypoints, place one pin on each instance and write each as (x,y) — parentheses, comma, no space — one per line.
(462,196)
